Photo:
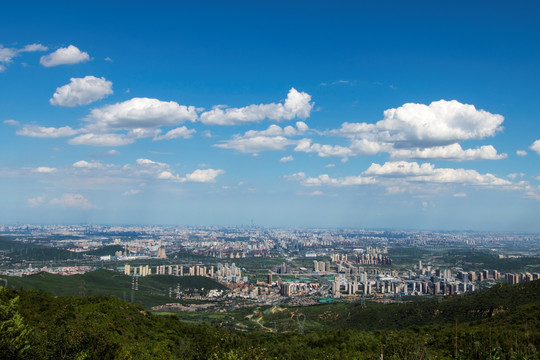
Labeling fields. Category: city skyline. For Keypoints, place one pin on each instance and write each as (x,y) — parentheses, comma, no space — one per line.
(390,115)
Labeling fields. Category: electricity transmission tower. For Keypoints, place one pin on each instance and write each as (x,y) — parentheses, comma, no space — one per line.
(301,322)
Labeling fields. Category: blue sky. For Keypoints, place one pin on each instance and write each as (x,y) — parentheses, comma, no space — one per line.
(417,115)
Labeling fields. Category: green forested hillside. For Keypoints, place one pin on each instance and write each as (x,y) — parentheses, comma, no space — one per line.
(152,290)
(35,325)
(19,251)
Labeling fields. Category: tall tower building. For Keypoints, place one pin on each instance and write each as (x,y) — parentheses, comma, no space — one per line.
(285,289)
(335,288)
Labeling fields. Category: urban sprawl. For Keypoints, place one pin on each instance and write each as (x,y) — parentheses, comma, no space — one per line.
(279,266)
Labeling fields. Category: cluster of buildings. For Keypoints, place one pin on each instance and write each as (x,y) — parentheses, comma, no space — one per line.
(368,256)
(321,266)
(424,281)
(522,277)
(60,270)
(352,264)
(282,269)
(223,272)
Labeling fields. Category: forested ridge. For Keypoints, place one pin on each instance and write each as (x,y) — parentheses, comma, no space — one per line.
(500,323)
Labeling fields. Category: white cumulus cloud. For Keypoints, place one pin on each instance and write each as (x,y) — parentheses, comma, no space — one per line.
(286,159)
(297,105)
(514,176)
(140,133)
(257,143)
(521,153)
(357,147)
(88,165)
(449,152)
(45,170)
(148,162)
(198,176)
(182,132)
(402,176)
(325,179)
(140,113)
(7,54)
(305,145)
(82,91)
(204,176)
(536,146)
(46,132)
(33,48)
(101,140)
(73,201)
(296,176)
(273,138)
(395,190)
(355,129)
(313,193)
(125,122)
(419,131)
(167,175)
(36,202)
(439,123)
(65,56)
(427,172)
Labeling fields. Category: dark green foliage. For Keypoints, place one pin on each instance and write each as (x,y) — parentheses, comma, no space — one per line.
(406,255)
(479,260)
(105,250)
(14,333)
(108,328)
(153,289)
(19,251)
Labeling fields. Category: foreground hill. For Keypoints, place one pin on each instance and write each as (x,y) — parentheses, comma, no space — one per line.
(35,325)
